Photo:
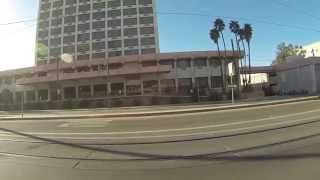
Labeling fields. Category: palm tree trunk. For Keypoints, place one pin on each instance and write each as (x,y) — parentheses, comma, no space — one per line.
(221,68)
(245,63)
(249,54)
(224,44)
(222,64)
(239,51)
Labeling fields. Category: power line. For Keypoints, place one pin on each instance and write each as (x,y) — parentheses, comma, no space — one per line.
(241,18)
(297,10)
(18,22)
(208,15)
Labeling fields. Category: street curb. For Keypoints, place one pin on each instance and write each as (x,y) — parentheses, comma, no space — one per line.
(167,112)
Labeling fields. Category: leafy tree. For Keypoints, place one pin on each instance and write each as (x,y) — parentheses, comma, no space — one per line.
(286,50)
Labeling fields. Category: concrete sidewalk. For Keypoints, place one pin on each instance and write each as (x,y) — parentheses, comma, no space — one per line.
(146,111)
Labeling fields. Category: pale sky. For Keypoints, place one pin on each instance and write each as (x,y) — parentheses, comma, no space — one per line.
(17,41)
(273,21)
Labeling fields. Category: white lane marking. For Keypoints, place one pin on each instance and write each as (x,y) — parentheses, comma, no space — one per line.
(286,123)
(180,129)
(85,124)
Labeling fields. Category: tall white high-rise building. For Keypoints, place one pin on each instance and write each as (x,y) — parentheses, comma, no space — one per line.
(95,29)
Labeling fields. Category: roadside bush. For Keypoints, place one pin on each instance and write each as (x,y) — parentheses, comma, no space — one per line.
(84,104)
(68,105)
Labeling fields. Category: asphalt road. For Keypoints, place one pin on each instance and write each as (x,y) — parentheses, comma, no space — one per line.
(272,142)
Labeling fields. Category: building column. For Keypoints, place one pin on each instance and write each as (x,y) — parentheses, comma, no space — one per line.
(24,96)
(49,94)
(142,89)
(125,88)
(159,87)
(108,88)
(223,75)
(91,90)
(77,92)
(36,95)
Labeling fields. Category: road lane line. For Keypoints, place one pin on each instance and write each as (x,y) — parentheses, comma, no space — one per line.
(284,124)
(180,129)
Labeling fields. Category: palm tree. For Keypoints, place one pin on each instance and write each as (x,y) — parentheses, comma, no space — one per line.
(248,36)
(215,36)
(235,28)
(220,26)
(241,39)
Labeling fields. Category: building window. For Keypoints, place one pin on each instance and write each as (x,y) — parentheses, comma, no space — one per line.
(70,93)
(98,25)
(114,13)
(146,10)
(131,42)
(84,17)
(167,62)
(131,52)
(146,30)
(130,21)
(99,15)
(84,91)
(43,94)
(168,86)
(114,53)
(98,35)
(216,82)
(114,33)
(145,2)
(99,6)
(131,32)
(31,96)
(148,51)
(200,63)
(84,37)
(146,20)
(185,86)
(115,44)
(98,46)
(114,23)
(129,2)
(100,90)
(114,4)
(184,64)
(130,12)
(99,55)
(84,27)
(151,87)
(148,41)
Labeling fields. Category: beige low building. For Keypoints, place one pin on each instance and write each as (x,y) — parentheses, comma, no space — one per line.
(153,75)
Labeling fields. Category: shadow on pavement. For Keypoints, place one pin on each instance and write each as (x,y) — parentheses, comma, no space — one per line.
(220,156)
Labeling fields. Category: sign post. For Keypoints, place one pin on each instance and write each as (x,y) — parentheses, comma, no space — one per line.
(232,86)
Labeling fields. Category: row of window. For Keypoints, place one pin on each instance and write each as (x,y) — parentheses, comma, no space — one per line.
(85,16)
(96,4)
(98,35)
(117,89)
(55,54)
(70,21)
